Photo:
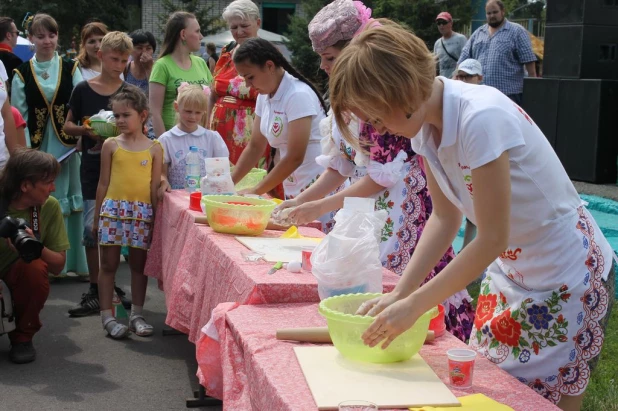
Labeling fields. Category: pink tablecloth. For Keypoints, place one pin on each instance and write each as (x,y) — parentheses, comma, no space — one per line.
(199,269)
(261,373)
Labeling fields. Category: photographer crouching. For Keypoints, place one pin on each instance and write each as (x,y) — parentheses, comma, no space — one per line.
(34,242)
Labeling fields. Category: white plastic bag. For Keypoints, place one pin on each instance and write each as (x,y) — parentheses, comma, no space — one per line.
(347,260)
(218,179)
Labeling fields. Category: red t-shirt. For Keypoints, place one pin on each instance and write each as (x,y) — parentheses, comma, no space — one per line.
(19,120)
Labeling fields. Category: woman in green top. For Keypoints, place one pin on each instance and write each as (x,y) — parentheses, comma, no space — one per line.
(175,66)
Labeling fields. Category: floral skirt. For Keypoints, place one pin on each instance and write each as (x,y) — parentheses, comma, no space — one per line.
(409,206)
(548,339)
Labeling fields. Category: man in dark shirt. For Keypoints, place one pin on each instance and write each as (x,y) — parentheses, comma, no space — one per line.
(8,40)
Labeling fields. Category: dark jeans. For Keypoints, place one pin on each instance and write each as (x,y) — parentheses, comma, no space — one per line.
(516,98)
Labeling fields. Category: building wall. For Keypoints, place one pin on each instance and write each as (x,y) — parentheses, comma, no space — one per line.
(152,9)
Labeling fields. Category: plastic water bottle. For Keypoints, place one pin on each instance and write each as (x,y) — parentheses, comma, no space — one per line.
(192,170)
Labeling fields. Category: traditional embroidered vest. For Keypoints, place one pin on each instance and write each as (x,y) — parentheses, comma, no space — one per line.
(39,109)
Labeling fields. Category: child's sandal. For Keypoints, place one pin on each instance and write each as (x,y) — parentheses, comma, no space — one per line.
(140,327)
(115,329)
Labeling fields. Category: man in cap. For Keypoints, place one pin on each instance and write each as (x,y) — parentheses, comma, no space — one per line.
(448,47)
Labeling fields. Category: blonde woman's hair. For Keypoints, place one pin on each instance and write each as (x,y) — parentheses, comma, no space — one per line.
(383,68)
(243,9)
(117,41)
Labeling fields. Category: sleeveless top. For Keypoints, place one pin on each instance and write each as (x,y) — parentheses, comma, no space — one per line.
(129,187)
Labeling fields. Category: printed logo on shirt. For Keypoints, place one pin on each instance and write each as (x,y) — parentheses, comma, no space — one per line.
(144,163)
(510,254)
(179,154)
(277,127)
(467,177)
(521,110)
(2,87)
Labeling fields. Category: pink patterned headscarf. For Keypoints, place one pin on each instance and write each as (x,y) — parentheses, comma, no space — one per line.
(339,20)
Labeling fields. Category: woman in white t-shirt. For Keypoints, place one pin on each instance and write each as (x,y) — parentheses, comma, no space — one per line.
(549,287)
(9,140)
(287,116)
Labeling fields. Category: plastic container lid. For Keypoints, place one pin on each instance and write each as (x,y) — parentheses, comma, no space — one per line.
(361,204)
(461,355)
(193,149)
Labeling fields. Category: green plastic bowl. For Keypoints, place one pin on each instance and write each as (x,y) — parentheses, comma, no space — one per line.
(236,214)
(346,328)
(251,179)
(104,128)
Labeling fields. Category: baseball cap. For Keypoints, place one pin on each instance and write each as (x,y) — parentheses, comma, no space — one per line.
(471,66)
(445,15)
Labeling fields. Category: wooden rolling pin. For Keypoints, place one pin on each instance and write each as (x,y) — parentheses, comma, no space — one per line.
(318,335)
(202,219)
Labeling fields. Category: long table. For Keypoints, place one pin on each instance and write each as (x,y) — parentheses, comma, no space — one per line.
(261,373)
(198,269)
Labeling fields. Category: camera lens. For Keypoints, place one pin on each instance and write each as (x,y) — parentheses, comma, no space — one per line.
(29,248)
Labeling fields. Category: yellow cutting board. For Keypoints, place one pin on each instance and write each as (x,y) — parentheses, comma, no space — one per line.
(332,379)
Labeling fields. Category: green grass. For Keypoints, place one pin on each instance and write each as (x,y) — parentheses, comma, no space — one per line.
(602,391)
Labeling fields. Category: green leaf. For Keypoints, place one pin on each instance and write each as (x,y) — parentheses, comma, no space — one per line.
(555,310)
(515,314)
(565,324)
(516,352)
(494,343)
(523,342)
(525,326)
(479,336)
(551,343)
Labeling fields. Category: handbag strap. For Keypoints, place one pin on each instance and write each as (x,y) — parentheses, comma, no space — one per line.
(446,51)
(35,223)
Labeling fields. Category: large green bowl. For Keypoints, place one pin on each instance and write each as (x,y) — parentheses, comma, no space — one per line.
(237,215)
(346,328)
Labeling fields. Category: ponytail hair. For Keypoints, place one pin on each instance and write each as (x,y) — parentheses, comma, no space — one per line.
(258,51)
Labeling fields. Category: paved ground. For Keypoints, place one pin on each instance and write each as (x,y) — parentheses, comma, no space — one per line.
(606,190)
(78,368)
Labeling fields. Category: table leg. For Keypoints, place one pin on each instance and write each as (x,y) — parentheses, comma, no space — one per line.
(202,400)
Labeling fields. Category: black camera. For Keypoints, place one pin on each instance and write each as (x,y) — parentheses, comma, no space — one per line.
(29,248)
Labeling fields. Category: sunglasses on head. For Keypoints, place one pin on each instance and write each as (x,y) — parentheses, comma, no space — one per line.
(442,22)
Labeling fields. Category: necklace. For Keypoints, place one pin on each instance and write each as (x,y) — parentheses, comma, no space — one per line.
(45,75)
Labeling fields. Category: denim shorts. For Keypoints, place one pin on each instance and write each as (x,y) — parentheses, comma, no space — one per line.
(88,239)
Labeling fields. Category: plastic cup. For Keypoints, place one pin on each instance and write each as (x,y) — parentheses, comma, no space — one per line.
(437,324)
(194,201)
(306,258)
(461,367)
(357,405)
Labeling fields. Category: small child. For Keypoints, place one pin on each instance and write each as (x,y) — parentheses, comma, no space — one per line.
(190,105)
(125,209)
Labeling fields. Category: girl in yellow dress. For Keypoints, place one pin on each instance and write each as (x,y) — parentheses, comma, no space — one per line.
(126,202)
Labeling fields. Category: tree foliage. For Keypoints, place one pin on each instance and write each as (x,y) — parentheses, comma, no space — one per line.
(418,15)
(304,58)
(71,15)
(209,23)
